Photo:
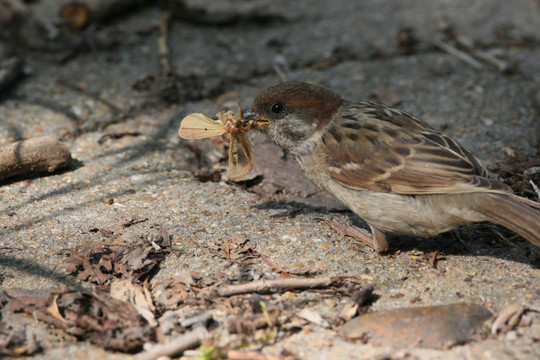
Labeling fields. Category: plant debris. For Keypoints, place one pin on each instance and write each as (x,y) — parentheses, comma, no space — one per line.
(510,317)
(17,342)
(100,263)
(176,346)
(248,324)
(250,355)
(520,172)
(280,284)
(87,315)
(235,249)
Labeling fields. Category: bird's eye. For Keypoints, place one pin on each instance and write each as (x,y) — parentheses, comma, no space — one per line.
(277,108)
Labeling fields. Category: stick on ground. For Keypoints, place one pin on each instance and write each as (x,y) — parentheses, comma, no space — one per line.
(41,154)
(458,53)
(277,284)
(176,346)
(249,355)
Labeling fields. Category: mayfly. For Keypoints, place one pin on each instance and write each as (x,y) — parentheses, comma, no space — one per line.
(198,126)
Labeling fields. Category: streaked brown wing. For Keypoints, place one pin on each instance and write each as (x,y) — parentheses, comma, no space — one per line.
(198,126)
(241,160)
(402,157)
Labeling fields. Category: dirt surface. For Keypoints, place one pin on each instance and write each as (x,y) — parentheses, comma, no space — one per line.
(141,178)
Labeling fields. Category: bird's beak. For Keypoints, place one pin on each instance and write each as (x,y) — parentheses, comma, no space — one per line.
(255,120)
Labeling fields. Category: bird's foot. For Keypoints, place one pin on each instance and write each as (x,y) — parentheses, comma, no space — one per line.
(376,240)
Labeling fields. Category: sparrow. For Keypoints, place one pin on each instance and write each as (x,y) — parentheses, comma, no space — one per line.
(390,168)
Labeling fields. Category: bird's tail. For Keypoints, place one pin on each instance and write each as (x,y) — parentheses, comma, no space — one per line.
(513,215)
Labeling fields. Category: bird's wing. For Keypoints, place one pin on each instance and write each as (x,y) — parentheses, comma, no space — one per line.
(373,147)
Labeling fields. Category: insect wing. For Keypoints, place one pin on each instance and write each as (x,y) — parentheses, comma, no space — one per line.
(198,126)
(241,159)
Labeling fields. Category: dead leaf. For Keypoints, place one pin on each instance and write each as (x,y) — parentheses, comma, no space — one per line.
(135,294)
(100,262)
(235,249)
(53,308)
(98,318)
(174,291)
(313,317)
(17,342)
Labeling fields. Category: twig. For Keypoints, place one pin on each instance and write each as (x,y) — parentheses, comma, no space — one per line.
(277,284)
(42,154)
(432,258)
(508,316)
(535,189)
(531,171)
(466,43)
(281,67)
(526,201)
(88,267)
(162,43)
(176,346)
(250,355)
(117,135)
(457,53)
(487,57)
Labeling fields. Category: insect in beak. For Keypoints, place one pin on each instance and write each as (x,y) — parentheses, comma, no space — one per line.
(241,160)
(254,120)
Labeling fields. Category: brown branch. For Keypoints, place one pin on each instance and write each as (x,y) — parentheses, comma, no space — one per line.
(526,201)
(176,346)
(249,355)
(41,154)
(278,284)
(458,53)
(163,45)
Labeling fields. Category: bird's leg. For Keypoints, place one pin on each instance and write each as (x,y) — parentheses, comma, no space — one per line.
(377,240)
(380,243)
